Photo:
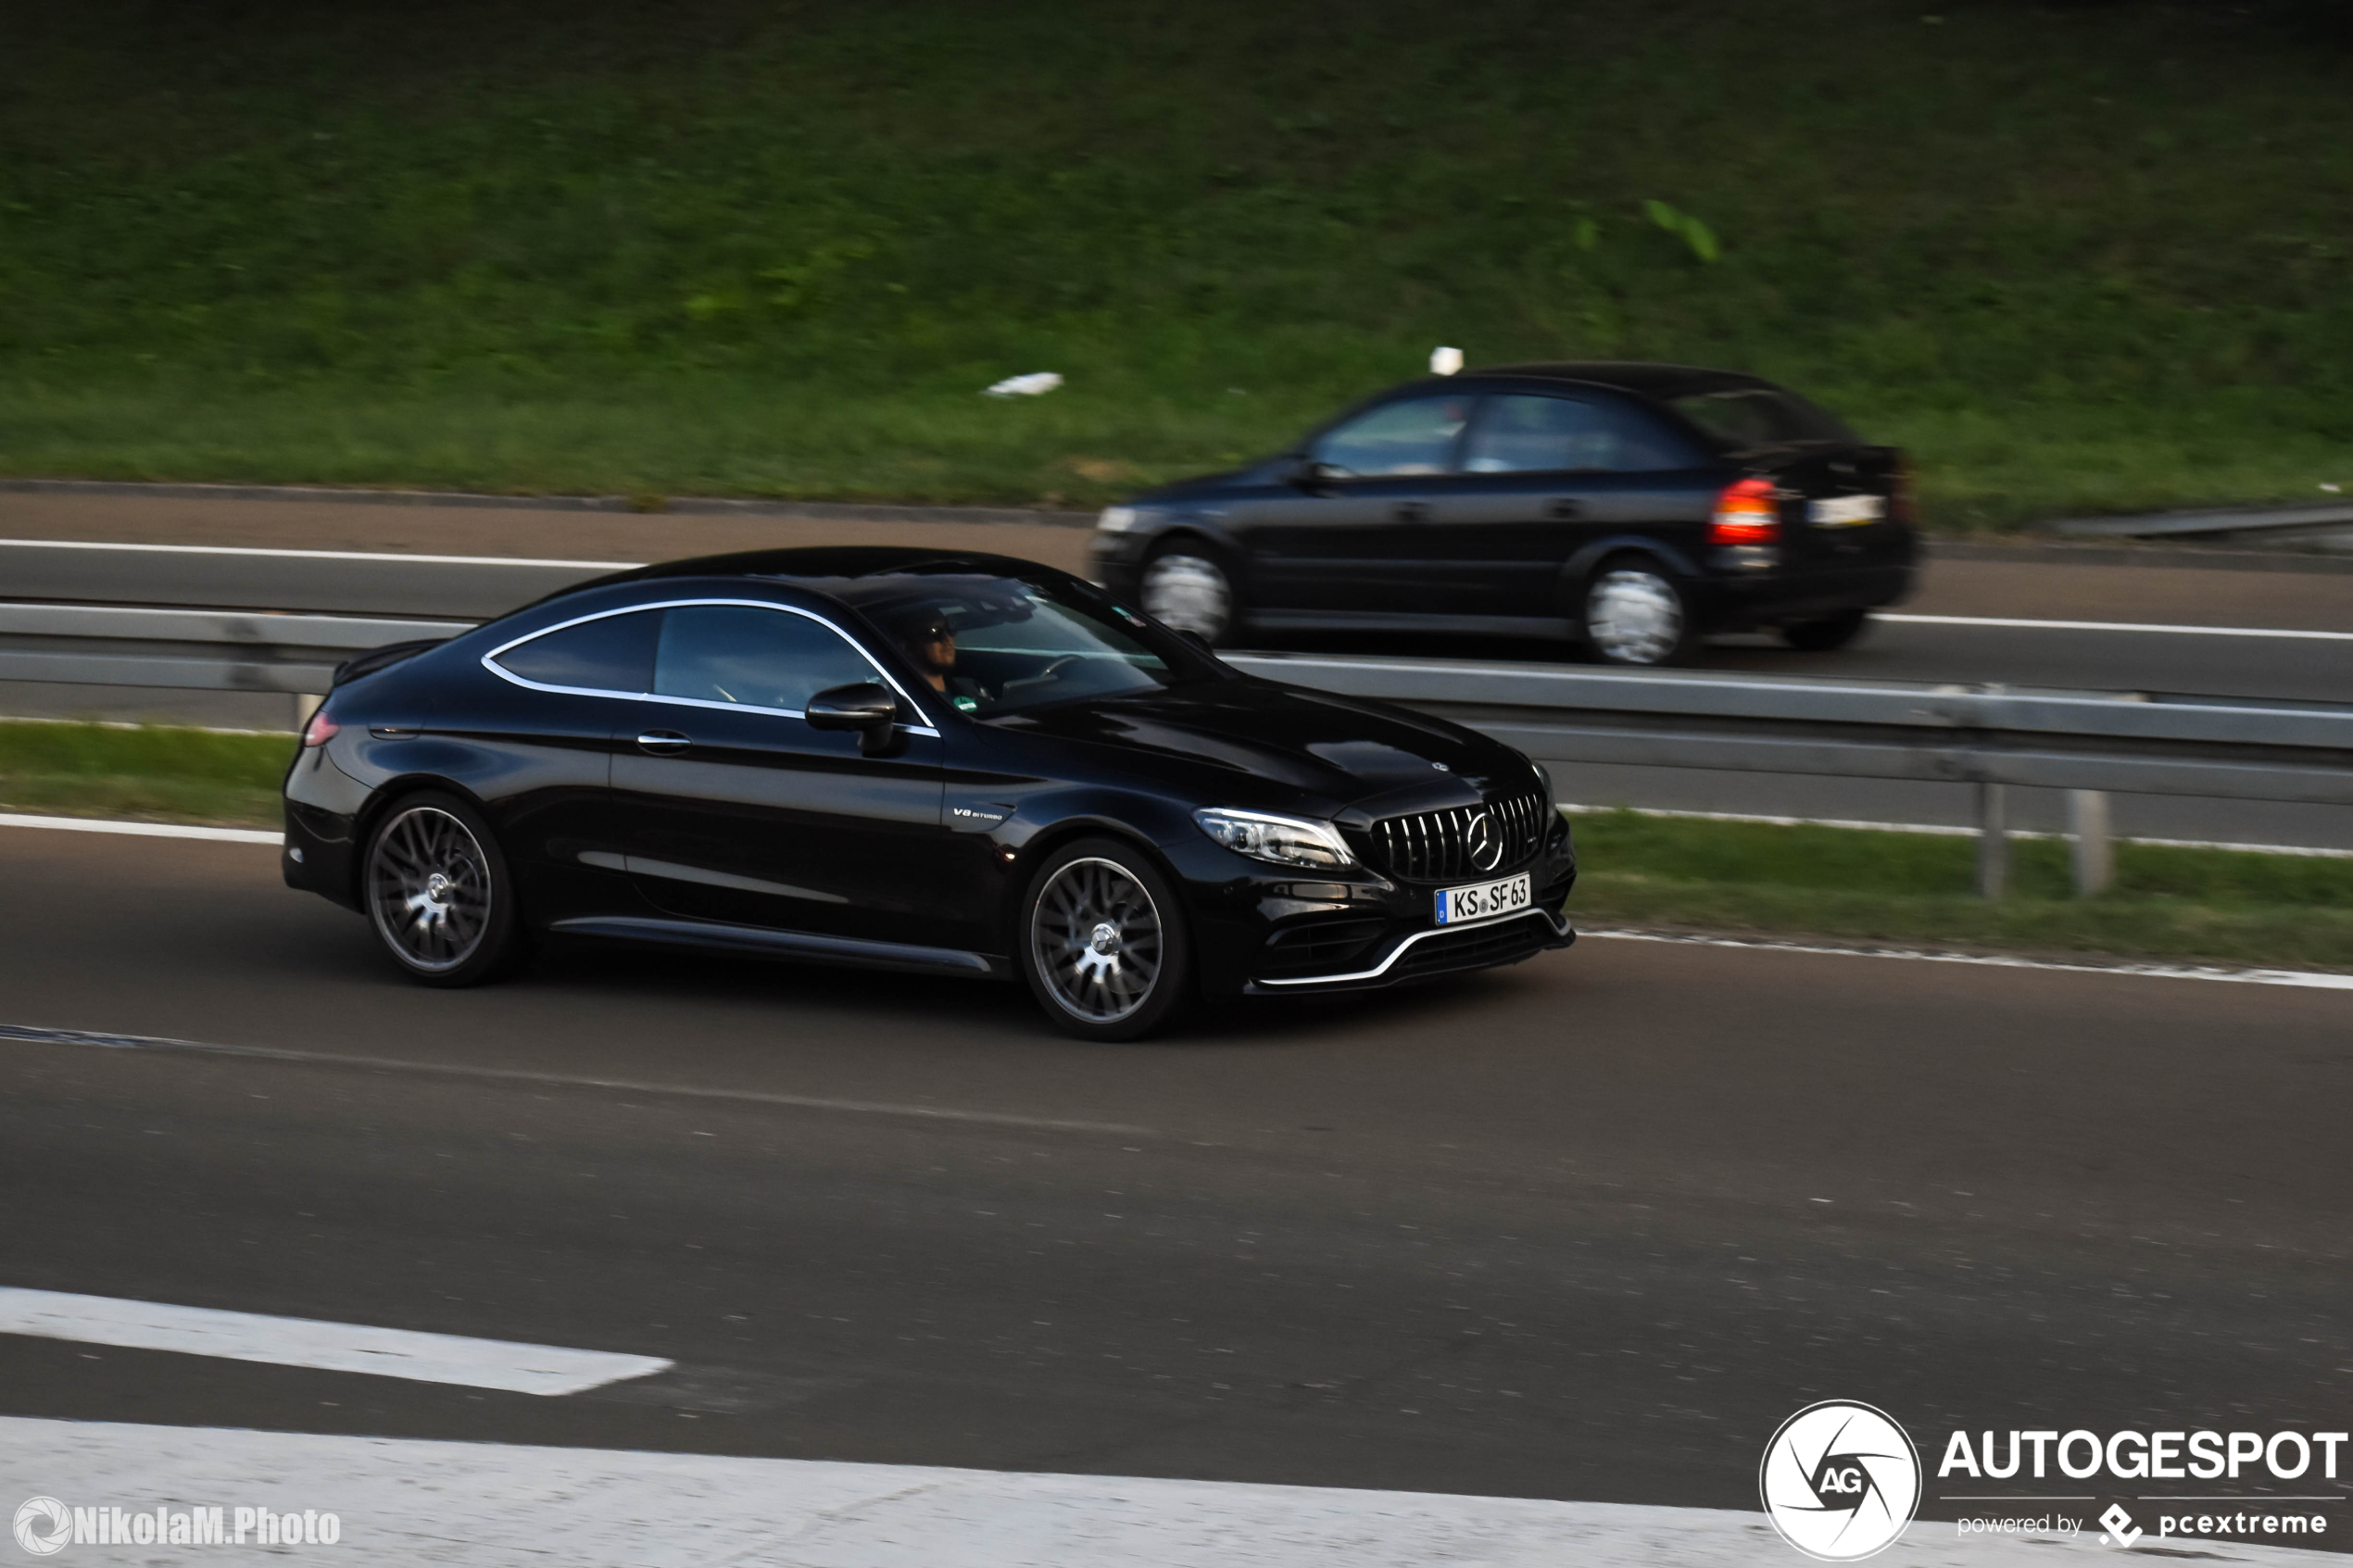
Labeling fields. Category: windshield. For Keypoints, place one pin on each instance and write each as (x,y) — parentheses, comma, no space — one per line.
(998,645)
(1761,416)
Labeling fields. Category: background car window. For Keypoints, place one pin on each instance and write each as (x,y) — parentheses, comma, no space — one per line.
(1523,433)
(1412,437)
(1761,416)
(760,658)
(615,654)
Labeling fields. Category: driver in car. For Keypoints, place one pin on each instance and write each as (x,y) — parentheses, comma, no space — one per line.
(932,644)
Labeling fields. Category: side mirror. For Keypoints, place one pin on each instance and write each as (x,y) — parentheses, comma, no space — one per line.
(868,706)
(1305,472)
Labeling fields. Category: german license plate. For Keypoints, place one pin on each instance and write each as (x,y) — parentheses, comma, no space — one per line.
(1482,900)
(1849,511)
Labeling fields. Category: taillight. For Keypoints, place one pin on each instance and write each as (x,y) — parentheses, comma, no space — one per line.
(321,730)
(1747,513)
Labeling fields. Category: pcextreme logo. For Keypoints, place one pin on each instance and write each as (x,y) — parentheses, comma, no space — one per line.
(1840,1481)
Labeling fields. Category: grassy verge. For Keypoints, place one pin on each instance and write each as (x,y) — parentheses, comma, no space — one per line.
(151,773)
(1739,877)
(2077,258)
(2271,911)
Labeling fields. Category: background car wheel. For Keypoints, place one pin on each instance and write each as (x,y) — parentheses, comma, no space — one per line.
(1635,614)
(1103,942)
(438,892)
(1830,632)
(1188,590)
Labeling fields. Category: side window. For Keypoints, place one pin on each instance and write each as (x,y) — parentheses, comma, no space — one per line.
(760,658)
(613,653)
(1412,437)
(1520,433)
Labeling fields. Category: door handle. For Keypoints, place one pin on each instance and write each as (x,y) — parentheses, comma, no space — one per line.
(663,743)
(1565,511)
(1411,512)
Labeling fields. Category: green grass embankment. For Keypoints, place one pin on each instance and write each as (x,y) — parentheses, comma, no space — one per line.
(2079,258)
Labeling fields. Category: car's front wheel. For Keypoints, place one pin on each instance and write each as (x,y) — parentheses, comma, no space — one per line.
(1103,942)
(438,893)
(1636,614)
(1186,589)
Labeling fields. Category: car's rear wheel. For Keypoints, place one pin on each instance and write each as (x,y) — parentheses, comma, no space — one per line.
(438,893)
(1188,589)
(1635,614)
(1103,942)
(1829,631)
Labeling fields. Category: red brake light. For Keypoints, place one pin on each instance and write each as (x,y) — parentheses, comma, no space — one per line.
(1747,513)
(321,730)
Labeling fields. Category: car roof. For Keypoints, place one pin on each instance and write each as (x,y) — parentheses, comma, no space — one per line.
(828,566)
(1627,375)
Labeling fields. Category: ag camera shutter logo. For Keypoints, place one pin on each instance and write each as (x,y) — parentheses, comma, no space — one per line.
(1840,1481)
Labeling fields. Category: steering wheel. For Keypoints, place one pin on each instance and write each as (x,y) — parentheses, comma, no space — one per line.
(1057,666)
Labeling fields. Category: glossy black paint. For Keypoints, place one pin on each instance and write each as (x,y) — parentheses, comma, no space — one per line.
(1512,553)
(637,817)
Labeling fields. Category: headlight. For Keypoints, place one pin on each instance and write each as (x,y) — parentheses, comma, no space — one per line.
(1117,519)
(1284,841)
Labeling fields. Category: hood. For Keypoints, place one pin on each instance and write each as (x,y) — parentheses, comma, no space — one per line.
(1347,751)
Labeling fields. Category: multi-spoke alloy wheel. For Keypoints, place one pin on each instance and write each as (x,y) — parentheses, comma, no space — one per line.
(435,891)
(1635,616)
(1190,592)
(1105,947)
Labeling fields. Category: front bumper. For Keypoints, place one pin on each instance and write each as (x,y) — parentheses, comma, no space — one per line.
(1440,949)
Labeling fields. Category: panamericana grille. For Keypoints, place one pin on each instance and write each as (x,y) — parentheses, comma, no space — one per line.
(1440,845)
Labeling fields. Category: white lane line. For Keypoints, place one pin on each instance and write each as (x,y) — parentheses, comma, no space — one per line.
(34,1035)
(314,555)
(2022,624)
(1944,830)
(403,1501)
(307,1342)
(142,830)
(2306,979)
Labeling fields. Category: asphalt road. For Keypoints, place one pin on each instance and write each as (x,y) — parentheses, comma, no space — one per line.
(1588,1228)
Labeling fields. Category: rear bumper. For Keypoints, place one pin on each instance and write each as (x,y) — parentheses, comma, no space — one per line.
(1736,603)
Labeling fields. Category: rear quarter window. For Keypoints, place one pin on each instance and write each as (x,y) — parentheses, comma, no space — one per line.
(1761,416)
(612,653)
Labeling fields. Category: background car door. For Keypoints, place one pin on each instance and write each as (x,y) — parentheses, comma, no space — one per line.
(1542,474)
(1345,541)
(736,809)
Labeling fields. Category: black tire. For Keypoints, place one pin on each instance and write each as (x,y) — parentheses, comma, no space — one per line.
(1187,585)
(1830,632)
(1633,612)
(438,892)
(1103,942)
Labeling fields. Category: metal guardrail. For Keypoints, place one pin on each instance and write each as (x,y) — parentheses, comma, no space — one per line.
(2087,743)
(192,650)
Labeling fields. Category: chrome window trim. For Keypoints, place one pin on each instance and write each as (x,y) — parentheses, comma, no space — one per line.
(490,661)
(1560,928)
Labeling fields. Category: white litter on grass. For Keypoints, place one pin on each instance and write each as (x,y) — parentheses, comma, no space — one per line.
(1034,384)
(1445,362)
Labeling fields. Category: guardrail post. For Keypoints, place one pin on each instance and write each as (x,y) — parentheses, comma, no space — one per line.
(2093,849)
(305,705)
(1993,841)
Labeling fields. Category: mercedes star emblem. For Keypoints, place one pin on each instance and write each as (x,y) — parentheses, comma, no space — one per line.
(1485,842)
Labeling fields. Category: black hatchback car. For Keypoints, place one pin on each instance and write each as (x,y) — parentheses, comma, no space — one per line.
(961,765)
(1632,508)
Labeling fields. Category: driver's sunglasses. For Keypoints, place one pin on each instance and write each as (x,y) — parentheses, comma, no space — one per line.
(939,633)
